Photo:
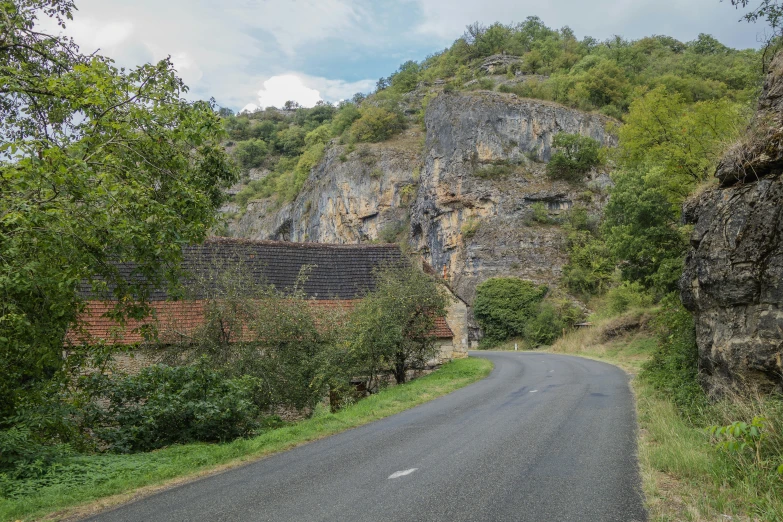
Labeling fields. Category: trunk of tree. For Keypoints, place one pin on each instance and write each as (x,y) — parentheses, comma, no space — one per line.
(399,370)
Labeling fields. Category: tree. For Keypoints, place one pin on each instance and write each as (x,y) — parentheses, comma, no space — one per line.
(99,166)
(392,327)
(641,231)
(504,305)
(678,144)
(377,124)
(575,155)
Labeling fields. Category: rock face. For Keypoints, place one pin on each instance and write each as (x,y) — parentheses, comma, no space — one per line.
(349,198)
(483,172)
(733,278)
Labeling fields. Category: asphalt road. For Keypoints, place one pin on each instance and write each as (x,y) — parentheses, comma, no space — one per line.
(543,438)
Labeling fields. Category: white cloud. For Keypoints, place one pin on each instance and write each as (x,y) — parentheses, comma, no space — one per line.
(305,90)
(336,90)
(279,89)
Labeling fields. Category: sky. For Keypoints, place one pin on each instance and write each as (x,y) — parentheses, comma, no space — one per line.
(259,53)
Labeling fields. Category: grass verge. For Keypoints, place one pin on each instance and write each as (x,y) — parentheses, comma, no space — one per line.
(684,476)
(73,489)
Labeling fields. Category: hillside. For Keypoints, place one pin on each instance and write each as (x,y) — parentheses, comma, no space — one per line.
(449,156)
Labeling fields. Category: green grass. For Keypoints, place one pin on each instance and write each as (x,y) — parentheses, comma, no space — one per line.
(73,488)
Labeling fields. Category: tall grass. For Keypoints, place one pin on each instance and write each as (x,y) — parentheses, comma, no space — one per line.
(87,478)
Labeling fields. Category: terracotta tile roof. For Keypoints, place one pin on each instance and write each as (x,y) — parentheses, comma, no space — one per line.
(442,330)
(173,318)
(337,271)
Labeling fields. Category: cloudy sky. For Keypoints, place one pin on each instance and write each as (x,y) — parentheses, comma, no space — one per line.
(264,52)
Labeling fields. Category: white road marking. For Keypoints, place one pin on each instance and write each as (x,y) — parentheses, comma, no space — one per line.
(551,371)
(398,474)
(533,391)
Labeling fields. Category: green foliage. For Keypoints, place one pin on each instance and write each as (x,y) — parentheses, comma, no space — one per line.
(391,329)
(590,266)
(112,165)
(540,213)
(740,437)
(674,368)
(677,144)
(23,455)
(494,171)
(470,228)
(575,155)
(504,305)
(627,296)
(251,153)
(255,330)
(550,321)
(164,405)
(641,228)
(377,124)
(392,232)
(601,76)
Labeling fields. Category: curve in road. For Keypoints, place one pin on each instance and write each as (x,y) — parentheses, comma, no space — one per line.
(544,437)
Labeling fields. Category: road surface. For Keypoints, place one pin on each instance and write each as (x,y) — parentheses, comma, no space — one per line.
(544,438)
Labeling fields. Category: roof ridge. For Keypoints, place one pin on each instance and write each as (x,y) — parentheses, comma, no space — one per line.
(294,244)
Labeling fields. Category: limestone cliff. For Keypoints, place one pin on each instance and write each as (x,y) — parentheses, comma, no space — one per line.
(462,193)
(733,278)
(473,220)
(349,197)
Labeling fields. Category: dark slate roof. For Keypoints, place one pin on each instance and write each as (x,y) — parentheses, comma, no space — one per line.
(337,271)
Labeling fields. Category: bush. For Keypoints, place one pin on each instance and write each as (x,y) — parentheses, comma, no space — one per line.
(674,367)
(540,214)
(504,305)
(377,124)
(22,455)
(626,296)
(497,171)
(551,319)
(251,153)
(577,154)
(165,405)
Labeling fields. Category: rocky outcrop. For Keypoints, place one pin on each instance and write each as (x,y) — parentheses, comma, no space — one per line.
(733,278)
(349,197)
(483,172)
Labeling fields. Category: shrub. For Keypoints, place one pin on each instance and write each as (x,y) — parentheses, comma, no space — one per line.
(674,367)
(251,153)
(540,213)
(496,171)
(504,305)
(550,320)
(22,455)
(626,296)
(347,114)
(469,228)
(163,405)
(377,124)
(575,156)
(545,327)
(392,232)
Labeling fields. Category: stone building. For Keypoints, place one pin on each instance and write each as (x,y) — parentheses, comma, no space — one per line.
(336,275)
